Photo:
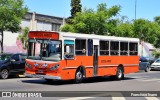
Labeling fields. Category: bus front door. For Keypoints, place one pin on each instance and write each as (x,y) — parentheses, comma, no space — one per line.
(95,60)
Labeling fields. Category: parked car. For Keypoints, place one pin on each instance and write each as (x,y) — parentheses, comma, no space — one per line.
(151,59)
(144,64)
(156,65)
(11,64)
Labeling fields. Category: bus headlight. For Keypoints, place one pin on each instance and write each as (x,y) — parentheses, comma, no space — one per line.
(28,65)
(54,67)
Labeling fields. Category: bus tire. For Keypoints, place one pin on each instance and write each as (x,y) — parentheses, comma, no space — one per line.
(4,74)
(120,73)
(78,76)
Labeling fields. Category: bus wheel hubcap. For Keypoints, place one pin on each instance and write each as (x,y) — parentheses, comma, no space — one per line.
(119,73)
(78,75)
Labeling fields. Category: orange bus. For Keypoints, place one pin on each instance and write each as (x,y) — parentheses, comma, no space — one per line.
(67,56)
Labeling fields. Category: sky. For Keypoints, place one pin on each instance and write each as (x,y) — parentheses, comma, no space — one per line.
(146,9)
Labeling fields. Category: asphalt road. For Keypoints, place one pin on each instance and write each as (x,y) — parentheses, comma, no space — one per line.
(141,81)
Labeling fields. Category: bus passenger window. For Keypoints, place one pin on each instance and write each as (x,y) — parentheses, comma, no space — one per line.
(80,47)
(123,48)
(68,49)
(114,48)
(104,47)
(133,48)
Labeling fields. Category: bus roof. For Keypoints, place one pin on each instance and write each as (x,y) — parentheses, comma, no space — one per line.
(91,36)
(98,37)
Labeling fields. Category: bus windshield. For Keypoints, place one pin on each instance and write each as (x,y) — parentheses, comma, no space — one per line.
(49,50)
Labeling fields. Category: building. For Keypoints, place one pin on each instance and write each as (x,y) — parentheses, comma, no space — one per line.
(34,22)
(146,49)
(41,22)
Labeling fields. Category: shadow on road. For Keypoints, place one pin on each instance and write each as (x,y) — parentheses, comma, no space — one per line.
(14,77)
(154,70)
(44,82)
(69,82)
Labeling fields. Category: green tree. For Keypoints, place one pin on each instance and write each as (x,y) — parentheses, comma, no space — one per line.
(141,28)
(84,22)
(147,31)
(157,40)
(67,28)
(125,30)
(120,27)
(11,13)
(111,27)
(157,19)
(75,7)
(89,21)
(156,54)
(24,38)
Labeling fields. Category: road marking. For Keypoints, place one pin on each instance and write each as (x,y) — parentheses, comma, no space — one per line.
(82,98)
(118,98)
(151,98)
(109,94)
(140,79)
(147,80)
(113,98)
(154,79)
(78,98)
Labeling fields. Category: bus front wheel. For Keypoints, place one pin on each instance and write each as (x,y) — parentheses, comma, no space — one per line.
(78,76)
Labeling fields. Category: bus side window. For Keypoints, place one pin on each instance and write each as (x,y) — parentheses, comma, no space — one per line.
(68,49)
(123,48)
(133,48)
(114,48)
(80,47)
(90,47)
(104,47)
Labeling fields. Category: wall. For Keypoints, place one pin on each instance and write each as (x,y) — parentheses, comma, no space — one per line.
(34,22)
(11,44)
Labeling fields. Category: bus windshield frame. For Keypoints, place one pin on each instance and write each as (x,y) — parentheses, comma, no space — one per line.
(43,49)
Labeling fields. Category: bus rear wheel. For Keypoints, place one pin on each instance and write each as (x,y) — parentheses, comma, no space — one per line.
(119,74)
(78,76)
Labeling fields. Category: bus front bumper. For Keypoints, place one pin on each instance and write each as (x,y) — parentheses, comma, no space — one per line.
(42,76)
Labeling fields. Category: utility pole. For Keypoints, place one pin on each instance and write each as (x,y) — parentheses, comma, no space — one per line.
(135,9)
(142,43)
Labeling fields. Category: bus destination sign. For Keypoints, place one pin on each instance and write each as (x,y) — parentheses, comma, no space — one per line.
(44,35)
